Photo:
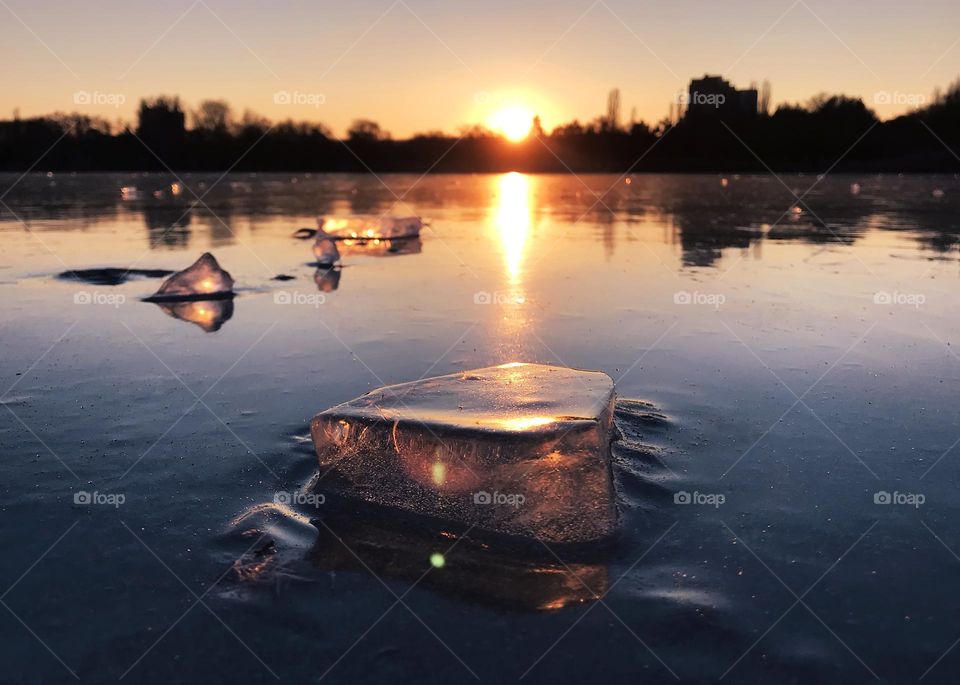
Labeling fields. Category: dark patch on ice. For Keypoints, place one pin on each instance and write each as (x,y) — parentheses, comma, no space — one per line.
(111,275)
(283,277)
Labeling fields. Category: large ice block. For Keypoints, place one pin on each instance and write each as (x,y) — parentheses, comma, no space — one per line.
(204,279)
(520,449)
(370,227)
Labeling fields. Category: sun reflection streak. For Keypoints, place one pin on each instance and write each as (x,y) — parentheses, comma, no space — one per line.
(513,219)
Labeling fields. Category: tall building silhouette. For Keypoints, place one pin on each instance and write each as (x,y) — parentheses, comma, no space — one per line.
(713,95)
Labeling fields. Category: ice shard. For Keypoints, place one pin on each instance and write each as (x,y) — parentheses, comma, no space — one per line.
(370,227)
(326,252)
(204,279)
(518,449)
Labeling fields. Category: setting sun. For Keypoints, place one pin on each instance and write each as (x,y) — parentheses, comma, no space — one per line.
(513,122)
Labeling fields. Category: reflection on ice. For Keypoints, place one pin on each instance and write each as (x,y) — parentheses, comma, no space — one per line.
(513,219)
(519,449)
(380,247)
(210,315)
(327,280)
(370,226)
(461,565)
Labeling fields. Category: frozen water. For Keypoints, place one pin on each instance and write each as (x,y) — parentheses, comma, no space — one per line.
(520,449)
(204,279)
(369,227)
(325,250)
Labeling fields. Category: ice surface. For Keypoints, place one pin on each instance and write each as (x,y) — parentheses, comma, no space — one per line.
(204,279)
(369,227)
(325,250)
(520,449)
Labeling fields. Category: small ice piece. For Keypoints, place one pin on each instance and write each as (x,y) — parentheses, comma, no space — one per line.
(204,279)
(519,449)
(370,227)
(130,193)
(326,252)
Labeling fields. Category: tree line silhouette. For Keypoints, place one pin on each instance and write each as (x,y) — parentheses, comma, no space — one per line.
(794,137)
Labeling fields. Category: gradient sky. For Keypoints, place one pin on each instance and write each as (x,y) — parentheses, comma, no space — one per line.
(418,65)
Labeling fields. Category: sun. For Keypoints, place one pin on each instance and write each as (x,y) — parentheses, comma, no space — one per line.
(513,122)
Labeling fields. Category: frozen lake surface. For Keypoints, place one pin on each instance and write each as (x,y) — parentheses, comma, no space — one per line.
(787,378)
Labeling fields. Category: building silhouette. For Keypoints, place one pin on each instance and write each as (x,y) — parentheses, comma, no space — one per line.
(714,96)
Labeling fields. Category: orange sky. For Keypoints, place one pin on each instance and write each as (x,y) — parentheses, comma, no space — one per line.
(416,65)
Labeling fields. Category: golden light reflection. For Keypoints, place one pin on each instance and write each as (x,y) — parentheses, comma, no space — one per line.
(513,218)
(439,473)
(525,422)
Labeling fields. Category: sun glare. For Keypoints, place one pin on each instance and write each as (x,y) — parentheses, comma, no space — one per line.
(513,122)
